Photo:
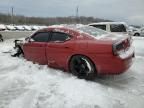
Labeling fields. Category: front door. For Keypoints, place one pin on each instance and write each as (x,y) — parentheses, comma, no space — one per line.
(35,50)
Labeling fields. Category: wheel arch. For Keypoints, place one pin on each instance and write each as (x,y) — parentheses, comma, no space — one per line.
(136,34)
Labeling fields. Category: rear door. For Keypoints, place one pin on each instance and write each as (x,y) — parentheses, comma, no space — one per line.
(58,49)
(35,50)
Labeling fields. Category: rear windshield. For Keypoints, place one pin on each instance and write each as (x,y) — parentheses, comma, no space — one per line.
(92,30)
(117,28)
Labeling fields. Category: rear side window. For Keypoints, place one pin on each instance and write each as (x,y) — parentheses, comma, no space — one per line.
(103,27)
(117,28)
(57,36)
(41,37)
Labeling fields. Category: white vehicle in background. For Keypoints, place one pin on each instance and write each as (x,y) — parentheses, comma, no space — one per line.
(113,27)
(2,27)
(142,31)
(41,27)
(136,32)
(1,38)
(27,28)
(10,27)
(19,28)
(35,27)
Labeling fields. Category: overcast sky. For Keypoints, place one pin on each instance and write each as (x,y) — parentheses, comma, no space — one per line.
(130,11)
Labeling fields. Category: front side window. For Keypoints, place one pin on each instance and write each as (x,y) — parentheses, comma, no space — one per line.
(117,28)
(41,37)
(57,36)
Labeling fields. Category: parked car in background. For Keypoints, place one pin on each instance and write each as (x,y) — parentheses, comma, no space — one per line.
(82,50)
(20,28)
(2,27)
(42,26)
(10,27)
(1,38)
(142,31)
(136,31)
(35,27)
(27,28)
(113,27)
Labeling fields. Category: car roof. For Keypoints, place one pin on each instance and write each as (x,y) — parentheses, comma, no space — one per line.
(100,23)
(71,27)
(68,26)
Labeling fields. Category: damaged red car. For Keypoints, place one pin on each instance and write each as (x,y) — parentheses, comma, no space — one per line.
(82,50)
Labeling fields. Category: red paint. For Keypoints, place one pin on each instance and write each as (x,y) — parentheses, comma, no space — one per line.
(100,51)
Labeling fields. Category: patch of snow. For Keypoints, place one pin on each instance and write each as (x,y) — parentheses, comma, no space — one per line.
(138,43)
(27,85)
(127,53)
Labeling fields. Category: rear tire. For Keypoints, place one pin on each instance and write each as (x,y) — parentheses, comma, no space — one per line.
(82,67)
(1,38)
(136,34)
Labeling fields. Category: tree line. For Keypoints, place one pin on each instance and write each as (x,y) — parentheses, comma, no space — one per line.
(18,19)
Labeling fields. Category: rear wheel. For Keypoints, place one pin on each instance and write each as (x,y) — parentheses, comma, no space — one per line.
(136,34)
(1,38)
(82,67)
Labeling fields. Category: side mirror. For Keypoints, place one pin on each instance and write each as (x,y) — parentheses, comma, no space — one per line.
(29,39)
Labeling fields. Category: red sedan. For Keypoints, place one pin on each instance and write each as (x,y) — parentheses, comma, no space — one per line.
(82,50)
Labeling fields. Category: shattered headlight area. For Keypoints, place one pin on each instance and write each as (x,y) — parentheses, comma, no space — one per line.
(18,52)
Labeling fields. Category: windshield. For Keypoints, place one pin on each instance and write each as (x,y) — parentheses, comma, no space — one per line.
(92,31)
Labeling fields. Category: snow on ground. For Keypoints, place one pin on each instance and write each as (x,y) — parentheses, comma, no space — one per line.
(139,44)
(27,85)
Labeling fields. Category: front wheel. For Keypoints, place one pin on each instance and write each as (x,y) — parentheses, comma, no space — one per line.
(82,67)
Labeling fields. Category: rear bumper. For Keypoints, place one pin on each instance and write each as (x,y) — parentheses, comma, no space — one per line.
(114,64)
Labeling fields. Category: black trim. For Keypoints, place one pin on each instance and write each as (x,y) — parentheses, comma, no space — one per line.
(50,37)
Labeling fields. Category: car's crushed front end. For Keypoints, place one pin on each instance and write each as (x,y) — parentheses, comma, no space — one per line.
(18,44)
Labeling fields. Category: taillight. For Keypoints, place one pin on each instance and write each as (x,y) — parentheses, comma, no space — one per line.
(115,50)
(121,46)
